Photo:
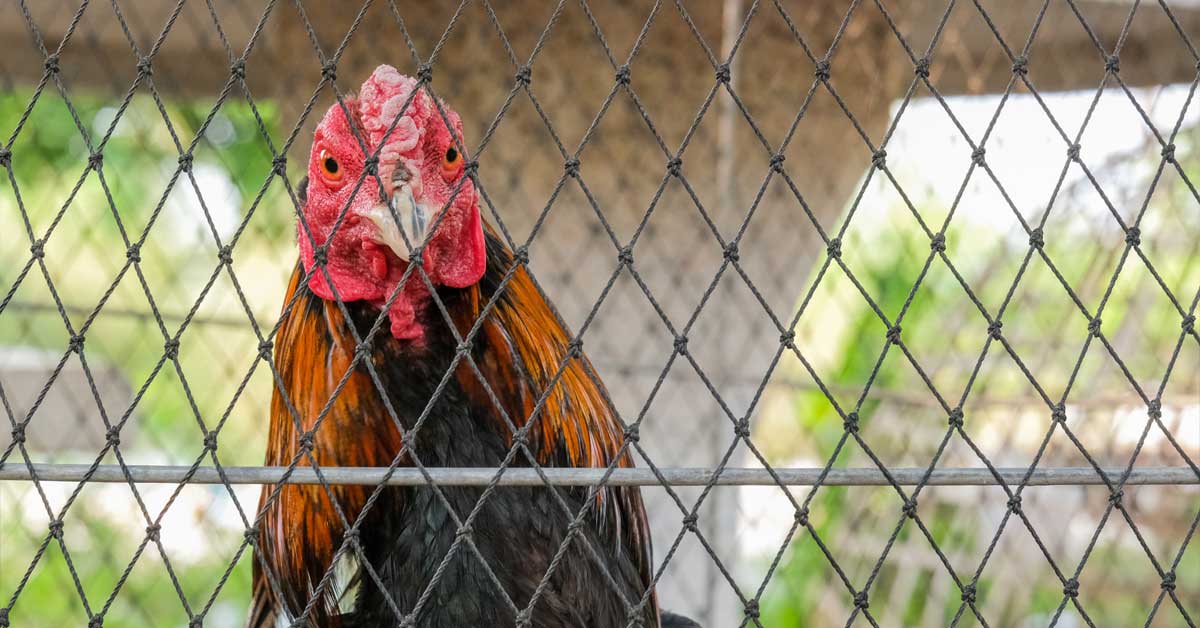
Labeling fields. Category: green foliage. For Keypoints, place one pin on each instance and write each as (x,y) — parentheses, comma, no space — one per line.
(84,254)
(1040,314)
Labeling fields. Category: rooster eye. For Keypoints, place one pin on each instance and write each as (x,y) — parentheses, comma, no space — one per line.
(330,167)
(451,162)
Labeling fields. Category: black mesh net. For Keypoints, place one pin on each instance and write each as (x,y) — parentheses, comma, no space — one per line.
(896,300)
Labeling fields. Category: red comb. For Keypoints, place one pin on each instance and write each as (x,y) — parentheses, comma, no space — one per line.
(380,100)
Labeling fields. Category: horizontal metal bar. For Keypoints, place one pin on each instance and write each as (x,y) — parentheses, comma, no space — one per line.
(523,476)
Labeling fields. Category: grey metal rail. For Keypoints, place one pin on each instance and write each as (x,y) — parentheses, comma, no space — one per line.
(407,476)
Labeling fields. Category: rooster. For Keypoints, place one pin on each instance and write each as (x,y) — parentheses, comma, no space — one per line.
(417,197)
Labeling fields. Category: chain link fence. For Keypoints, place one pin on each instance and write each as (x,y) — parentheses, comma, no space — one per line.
(895,300)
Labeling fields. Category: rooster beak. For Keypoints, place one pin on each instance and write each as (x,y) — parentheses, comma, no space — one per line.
(402,223)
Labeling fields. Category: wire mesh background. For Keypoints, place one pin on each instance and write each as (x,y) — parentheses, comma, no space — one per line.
(929,234)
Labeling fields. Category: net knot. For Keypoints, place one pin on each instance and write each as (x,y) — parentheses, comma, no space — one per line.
(76,343)
(171,349)
(575,347)
(144,66)
(622,75)
(822,71)
(834,248)
(521,255)
(524,76)
(306,441)
(777,162)
(370,165)
(329,71)
(152,531)
(1168,153)
(910,508)
(5,157)
(1133,237)
(351,535)
(850,422)
(3,618)
(742,428)
(112,436)
(689,522)
(861,601)
(1037,239)
(731,252)
(681,342)
(196,622)
(938,243)
(279,164)
(38,249)
(251,535)
(463,348)
(956,417)
(210,441)
(1168,581)
(471,167)
(625,256)
(1073,152)
(18,434)
(52,64)
(523,620)
(1188,324)
(237,69)
(788,339)
(134,253)
(225,255)
(802,516)
(922,69)
(977,155)
(1112,64)
(56,529)
(1071,588)
(96,621)
(571,167)
(185,162)
(1059,414)
(878,158)
(968,594)
(1020,66)
(723,73)
(752,609)
(1014,504)
(521,437)
(674,165)
(1094,326)
(96,160)
(1154,409)
(995,329)
(320,255)
(893,334)
(1115,499)
(425,73)
(633,434)
(465,531)
(264,349)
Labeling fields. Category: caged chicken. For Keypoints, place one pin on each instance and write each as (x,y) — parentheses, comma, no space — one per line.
(518,348)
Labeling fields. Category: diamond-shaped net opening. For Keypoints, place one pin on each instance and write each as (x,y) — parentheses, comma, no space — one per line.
(894,303)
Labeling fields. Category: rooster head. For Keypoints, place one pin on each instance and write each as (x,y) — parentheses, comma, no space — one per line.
(413,200)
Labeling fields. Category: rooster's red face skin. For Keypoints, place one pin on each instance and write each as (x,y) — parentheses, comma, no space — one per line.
(418,159)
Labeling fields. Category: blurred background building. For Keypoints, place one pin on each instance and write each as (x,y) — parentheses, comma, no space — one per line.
(873,155)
